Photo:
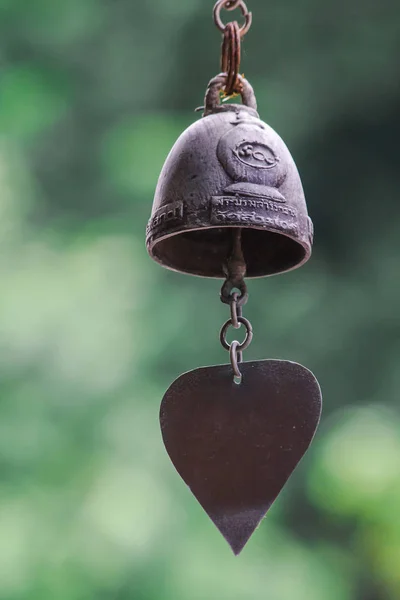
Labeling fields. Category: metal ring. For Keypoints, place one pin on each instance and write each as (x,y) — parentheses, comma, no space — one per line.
(236,310)
(248,339)
(212,100)
(231,5)
(226,296)
(231,56)
(235,359)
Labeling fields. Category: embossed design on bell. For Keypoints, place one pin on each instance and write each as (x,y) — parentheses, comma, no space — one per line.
(172,212)
(244,151)
(217,159)
(256,155)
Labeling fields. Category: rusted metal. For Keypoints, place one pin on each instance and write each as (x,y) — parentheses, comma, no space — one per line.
(232,5)
(235,446)
(229,171)
(231,56)
(217,84)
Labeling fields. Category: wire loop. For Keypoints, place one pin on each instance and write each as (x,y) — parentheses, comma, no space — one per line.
(235,269)
(232,5)
(236,359)
(231,57)
(236,310)
(249,334)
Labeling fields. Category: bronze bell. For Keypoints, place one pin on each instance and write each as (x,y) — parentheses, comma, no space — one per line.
(229,170)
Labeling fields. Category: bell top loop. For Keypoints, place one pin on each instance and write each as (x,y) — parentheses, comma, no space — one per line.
(212,102)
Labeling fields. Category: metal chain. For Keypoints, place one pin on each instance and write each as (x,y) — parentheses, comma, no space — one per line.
(236,359)
(236,271)
(232,5)
(249,334)
(231,45)
(236,348)
(236,310)
(231,57)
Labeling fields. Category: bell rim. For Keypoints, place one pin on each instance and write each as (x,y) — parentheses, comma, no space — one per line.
(306,245)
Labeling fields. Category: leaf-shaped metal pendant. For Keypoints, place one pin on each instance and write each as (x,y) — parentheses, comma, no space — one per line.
(234,445)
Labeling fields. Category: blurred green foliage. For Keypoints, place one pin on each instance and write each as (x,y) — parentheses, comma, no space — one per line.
(92,96)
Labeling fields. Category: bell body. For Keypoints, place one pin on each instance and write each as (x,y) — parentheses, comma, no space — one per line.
(229,170)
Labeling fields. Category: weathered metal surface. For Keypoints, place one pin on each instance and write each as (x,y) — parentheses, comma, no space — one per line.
(236,445)
(232,5)
(231,57)
(229,170)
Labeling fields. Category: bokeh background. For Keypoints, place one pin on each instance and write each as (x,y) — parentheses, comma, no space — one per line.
(93,93)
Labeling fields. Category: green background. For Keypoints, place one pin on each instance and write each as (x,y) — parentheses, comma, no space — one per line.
(92,96)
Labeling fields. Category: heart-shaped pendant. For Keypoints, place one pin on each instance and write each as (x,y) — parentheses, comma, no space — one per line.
(235,445)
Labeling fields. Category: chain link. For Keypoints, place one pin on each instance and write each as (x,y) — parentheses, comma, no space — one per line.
(232,5)
(249,334)
(236,310)
(236,348)
(231,57)
(235,269)
(236,359)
